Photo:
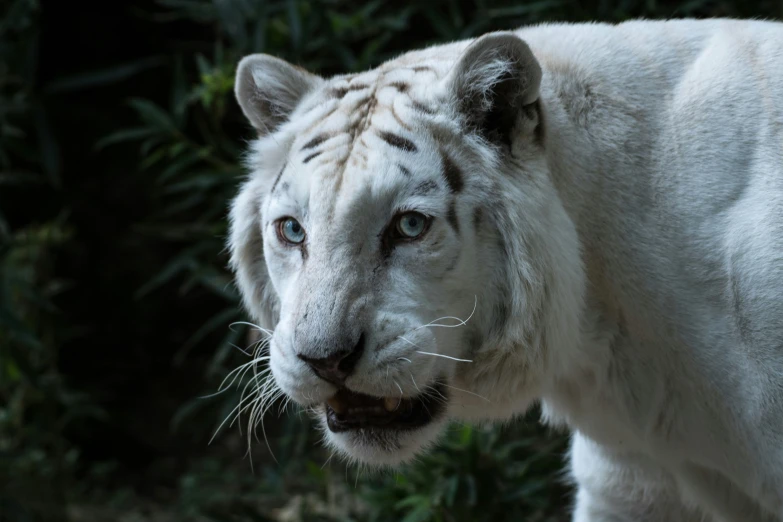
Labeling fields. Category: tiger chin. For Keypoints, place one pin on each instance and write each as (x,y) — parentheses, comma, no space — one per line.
(558,214)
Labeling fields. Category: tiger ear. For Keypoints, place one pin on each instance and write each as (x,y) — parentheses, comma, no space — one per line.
(495,79)
(268,90)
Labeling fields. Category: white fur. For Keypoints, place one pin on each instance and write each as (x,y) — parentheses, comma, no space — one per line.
(637,253)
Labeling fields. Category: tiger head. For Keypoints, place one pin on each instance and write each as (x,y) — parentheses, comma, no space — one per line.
(400,238)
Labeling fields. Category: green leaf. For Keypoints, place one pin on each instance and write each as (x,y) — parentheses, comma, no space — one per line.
(413,500)
(182,205)
(18,330)
(221,319)
(185,411)
(226,347)
(219,283)
(12,371)
(200,181)
(177,166)
(450,490)
(49,148)
(466,435)
(471,494)
(102,77)
(525,9)
(124,135)
(179,94)
(295,24)
(316,471)
(153,158)
(419,514)
(204,67)
(183,262)
(153,114)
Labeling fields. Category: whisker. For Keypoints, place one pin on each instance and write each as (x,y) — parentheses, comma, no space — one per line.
(424,405)
(253,398)
(241,349)
(414,382)
(261,422)
(245,323)
(408,341)
(249,455)
(399,388)
(261,346)
(283,407)
(404,359)
(466,391)
(327,460)
(252,380)
(237,407)
(430,353)
(259,394)
(258,346)
(437,400)
(242,399)
(445,356)
(241,369)
(462,322)
(436,395)
(267,394)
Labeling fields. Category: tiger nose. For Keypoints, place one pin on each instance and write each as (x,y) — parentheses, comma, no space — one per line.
(338,366)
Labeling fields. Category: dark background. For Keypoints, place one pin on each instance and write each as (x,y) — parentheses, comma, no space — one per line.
(119,146)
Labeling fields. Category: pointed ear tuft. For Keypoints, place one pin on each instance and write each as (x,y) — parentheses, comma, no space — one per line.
(496,77)
(268,90)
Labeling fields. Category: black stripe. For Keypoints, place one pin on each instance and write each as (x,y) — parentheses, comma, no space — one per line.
(313,143)
(398,141)
(340,92)
(452,173)
(311,156)
(421,107)
(539,132)
(477,215)
(405,170)
(400,86)
(452,265)
(277,179)
(452,216)
(425,187)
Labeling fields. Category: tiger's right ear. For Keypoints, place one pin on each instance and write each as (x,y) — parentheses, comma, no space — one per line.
(268,90)
(496,78)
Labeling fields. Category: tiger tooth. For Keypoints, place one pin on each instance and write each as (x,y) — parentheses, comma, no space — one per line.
(390,403)
(336,405)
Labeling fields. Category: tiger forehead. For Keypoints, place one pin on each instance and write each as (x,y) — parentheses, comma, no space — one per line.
(349,109)
(397,75)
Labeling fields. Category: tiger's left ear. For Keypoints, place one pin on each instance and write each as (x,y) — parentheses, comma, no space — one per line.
(268,90)
(495,83)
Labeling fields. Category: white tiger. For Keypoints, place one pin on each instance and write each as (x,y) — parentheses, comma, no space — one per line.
(595,210)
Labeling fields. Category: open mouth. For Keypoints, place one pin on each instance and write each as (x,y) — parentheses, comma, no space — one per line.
(349,410)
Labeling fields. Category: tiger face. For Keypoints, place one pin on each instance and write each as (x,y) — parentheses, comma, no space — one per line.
(394,236)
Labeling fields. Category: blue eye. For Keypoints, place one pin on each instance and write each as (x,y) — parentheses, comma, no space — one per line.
(411,224)
(291,231)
